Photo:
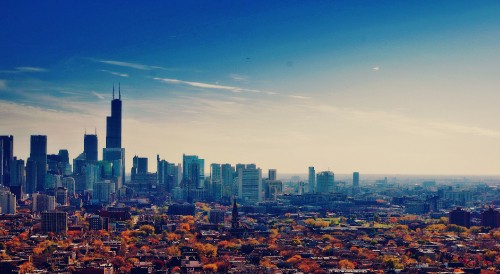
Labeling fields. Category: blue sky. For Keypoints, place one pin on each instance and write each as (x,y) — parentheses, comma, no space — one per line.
(373,86)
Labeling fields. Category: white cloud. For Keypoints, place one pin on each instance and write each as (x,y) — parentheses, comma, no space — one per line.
(30,69)
(128,64)
(115,73)
(300,97)
(3,84)
(238,77)
(377,68)
(98,95)
(205,85)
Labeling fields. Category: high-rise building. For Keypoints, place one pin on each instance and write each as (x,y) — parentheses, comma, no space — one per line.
(216,181)
(114,151)
(139,166)
(55,221)
(116,156)
(272,174)
(229,188)
(69,184)
(490,218)
(325,182)
(102,192)
(90,147)
(460,217)
(7,202)
(62,196)
(114,122)
(312,180)
(31,176)
(272,188)
(38,154)
(355,183)
(193,171)
(6,156)
(17,177)
(43,202)
(250,184)
(166,175)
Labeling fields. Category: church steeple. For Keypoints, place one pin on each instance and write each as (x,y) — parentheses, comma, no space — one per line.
(235,222)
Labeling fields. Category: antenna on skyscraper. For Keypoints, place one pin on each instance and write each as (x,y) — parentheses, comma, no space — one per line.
(95,131)
(85,131)
(113,90)
(119,92)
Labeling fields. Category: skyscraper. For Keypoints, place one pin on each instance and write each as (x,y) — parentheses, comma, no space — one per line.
(312,180)
(325,182)
(114,122)
(139,166)
(90,147)
(272,174)
(17,177)
(250,184)
(114,152)
(7,202)
(38,154)
(355,183)
(216,181)
(31,176)
(193,171)
(229,188)
(6,156)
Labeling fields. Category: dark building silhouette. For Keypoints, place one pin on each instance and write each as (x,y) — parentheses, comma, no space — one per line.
(490,218)
(6,156)
(54,221)
(64,156)
(235,220)
(113,152)
(140,165)
(459,217)
(90,147)
(114,122)
(31,176)
(17,177)
(355,182)
(38,154)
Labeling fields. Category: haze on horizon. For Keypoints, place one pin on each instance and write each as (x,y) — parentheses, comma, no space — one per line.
(394,87)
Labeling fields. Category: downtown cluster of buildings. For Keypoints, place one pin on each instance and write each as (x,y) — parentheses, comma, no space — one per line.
(88,217)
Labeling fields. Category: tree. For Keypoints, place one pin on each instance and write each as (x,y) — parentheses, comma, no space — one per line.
(346,264)
(148,229)
(210,268)
(26,267)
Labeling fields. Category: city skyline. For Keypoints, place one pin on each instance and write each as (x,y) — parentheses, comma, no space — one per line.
(374,88)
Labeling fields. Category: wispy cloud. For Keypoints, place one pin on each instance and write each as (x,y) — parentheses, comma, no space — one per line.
(300,97)
(376,68)
(465,129)
(128,64)
(206,85)
(24,69)
(31,69)
(98,95)
(115,73)
(238,77)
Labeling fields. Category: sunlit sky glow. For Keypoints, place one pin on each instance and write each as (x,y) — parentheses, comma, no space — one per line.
(406,87)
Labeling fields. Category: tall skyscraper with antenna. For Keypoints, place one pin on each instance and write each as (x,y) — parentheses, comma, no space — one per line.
(113,152)
(114,122)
